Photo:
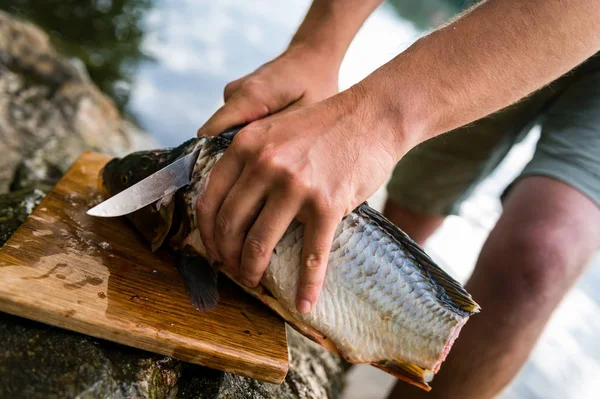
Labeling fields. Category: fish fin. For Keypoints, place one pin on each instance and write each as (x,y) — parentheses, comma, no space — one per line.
(408,372)
(166,215)
(154,225)
(200,281)
(452,291)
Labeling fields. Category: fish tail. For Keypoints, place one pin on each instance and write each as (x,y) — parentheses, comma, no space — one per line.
(408,372)
(200,281)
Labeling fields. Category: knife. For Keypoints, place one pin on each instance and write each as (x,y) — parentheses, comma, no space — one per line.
(154,187)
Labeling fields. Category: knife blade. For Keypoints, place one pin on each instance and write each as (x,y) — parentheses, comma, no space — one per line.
(154,187)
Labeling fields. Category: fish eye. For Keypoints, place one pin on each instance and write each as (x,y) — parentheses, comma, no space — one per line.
(124,179)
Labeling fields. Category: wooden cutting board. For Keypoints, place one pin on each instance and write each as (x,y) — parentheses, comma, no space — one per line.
(98,277)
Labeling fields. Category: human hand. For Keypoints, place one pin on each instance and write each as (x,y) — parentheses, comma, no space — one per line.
(299,76)
(315,164)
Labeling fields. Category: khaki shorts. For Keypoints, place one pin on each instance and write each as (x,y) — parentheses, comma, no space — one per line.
(439,174)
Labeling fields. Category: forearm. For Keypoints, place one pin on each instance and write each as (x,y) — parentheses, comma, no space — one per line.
(330,26)
(492,56)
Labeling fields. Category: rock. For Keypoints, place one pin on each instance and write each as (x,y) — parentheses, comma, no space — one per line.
(15,207)
(50,112)
(39,361)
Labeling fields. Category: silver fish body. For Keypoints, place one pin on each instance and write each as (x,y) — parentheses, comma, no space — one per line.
(384,301)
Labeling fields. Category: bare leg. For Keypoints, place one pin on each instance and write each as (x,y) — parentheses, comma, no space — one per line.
(417,225)
(544,239)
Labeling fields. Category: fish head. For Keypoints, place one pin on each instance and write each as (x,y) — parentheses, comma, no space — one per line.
(121,173)
(153,221)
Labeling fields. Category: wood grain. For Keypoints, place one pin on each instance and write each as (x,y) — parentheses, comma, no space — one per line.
(98,277)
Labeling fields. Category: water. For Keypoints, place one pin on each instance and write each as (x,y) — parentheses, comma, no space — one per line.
(200,46)
(166,63)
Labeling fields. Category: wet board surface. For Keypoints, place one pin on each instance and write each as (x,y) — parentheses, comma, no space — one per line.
(98,277)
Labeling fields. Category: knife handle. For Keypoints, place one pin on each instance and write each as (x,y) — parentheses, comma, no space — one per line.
(230,133)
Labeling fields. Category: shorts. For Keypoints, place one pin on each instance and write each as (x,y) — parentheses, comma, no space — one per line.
(438,175)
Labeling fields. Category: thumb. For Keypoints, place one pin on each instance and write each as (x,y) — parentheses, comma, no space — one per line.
(238,110)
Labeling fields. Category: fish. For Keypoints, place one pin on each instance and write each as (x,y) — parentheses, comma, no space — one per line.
(384,301)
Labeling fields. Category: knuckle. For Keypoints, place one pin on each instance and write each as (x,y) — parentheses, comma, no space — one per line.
(314,263)
(258,93)
(202,207)
(241,143)
(267,162)
(256,247)
(311,286)
(243,137)
(327,207)
(298,181)
(252,86)
(223,227)
(230,88)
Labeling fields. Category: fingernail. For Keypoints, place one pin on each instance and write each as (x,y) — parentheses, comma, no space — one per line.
(248,283)
(304,306)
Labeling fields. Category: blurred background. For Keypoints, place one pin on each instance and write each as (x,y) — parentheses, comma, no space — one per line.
(165,65)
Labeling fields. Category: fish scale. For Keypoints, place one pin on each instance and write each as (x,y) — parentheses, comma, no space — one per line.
(384,301)
(281,279)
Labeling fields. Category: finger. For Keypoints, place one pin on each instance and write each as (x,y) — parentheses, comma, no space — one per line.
(265,233)
(214,191)
(318,235)
(231,88)
(290,108)
(239,209)
(238,110)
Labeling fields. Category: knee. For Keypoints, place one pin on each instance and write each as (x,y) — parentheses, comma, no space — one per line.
(544,261)
(541,262)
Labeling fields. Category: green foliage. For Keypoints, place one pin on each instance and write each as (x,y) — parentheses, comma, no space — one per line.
(105,34)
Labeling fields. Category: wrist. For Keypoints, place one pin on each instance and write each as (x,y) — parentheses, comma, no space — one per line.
(319,54)
(312,65)
(330,26)
(406,100)
(388,123)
